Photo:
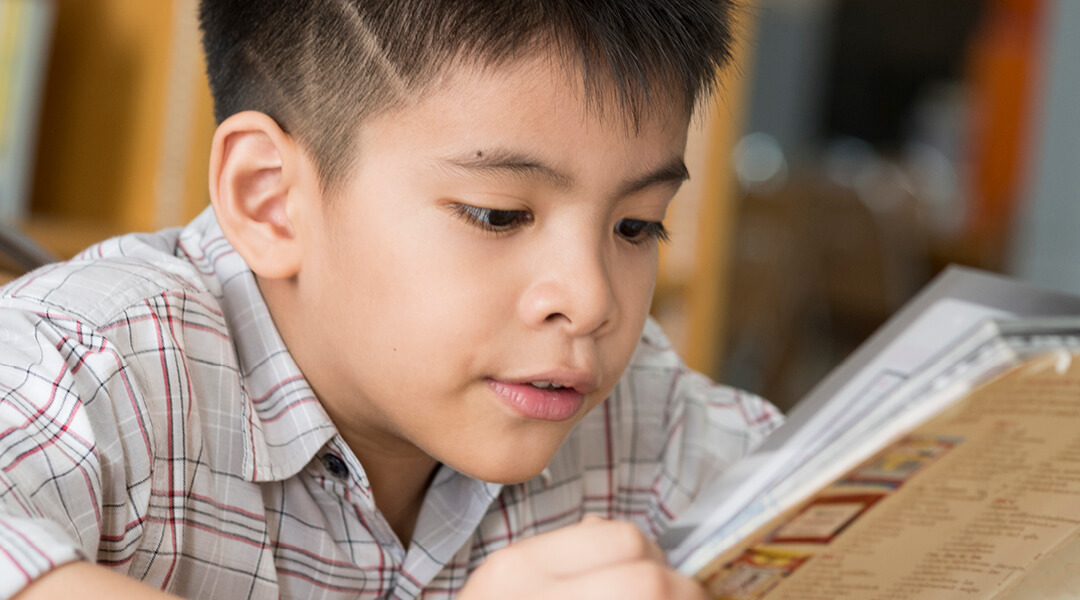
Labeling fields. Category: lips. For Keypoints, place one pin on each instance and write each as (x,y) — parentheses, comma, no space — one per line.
(544,403)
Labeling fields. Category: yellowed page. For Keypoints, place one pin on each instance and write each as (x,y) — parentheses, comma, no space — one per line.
(1054,578)
(960,508)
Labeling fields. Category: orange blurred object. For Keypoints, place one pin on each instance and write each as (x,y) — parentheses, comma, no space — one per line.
(1003,71)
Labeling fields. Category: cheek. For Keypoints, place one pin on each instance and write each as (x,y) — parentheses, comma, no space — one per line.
(418,289)
(633,285)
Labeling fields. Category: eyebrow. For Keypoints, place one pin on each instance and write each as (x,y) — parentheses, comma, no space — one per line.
(673,173)
(510,162)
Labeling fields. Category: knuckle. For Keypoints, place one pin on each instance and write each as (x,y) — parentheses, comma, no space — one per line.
(629,538)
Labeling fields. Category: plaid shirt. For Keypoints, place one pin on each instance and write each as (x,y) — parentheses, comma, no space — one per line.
(152,421)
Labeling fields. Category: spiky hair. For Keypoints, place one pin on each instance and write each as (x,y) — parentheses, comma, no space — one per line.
(320,67)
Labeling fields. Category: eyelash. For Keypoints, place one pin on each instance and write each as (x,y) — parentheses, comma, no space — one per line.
(481,217)
(652,230)
(646,231)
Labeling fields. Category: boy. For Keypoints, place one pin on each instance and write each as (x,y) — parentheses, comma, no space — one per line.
(411,332)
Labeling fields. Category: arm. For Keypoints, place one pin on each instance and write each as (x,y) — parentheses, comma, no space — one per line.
(91,582)
(55,478)
(594,560)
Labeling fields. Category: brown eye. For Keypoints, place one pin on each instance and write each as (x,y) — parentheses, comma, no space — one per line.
(630,228)
(501,218)
(639,232)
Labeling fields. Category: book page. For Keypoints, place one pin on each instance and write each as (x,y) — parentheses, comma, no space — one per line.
(961,507)
(1053,578)
(742,500)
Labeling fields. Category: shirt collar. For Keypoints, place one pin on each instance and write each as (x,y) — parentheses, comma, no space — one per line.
(280,421)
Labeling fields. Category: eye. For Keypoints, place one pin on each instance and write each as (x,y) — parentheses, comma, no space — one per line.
(489,219)
(637,231)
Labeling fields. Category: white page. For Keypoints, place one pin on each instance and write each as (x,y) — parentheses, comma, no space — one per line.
(926,393)
(943,314)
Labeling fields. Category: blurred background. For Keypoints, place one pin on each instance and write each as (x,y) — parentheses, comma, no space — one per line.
(856,149)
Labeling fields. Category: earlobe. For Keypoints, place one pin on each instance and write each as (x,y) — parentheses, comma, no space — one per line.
(256,173)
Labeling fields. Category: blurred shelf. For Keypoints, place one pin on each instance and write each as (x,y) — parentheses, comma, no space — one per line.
(126,122)
(67,236)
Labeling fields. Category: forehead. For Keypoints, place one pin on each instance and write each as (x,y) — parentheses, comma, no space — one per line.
(531,100)
(519,128)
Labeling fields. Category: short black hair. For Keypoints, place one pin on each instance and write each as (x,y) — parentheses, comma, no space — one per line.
(320,67)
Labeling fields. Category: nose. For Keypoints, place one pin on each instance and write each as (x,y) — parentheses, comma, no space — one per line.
(570,288)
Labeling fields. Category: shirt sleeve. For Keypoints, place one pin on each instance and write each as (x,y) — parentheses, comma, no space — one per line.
(54,452)
(678,432)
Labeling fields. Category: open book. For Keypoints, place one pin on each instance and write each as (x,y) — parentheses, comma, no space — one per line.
(941,460)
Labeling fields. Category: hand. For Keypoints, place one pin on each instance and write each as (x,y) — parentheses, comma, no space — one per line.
(88,582)
(593,560)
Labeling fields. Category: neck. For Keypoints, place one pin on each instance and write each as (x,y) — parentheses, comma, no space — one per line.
(398,471)
(399,483)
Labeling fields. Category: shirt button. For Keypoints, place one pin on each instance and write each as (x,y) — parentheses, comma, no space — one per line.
(336,466)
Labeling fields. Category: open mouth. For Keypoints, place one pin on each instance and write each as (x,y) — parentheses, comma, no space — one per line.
(541,400)
(547,385)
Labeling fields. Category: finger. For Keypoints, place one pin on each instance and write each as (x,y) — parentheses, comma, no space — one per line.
(635,580)
(653,551)
(591,545)
(591,518)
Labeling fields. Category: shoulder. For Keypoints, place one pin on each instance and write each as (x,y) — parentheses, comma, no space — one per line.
(109,349)
(657,375)
(682,405)
(110,320)
(107,280)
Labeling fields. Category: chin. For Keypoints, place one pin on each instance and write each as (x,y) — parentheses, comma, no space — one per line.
(510,478)
(509,468)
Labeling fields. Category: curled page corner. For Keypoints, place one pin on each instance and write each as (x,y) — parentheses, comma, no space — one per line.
(1064,360)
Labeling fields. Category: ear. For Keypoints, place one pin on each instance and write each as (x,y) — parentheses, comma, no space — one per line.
(258,187)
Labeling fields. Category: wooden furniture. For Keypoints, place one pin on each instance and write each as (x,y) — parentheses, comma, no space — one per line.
(126,124)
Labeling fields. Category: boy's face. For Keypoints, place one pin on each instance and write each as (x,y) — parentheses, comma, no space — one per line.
(494,235)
